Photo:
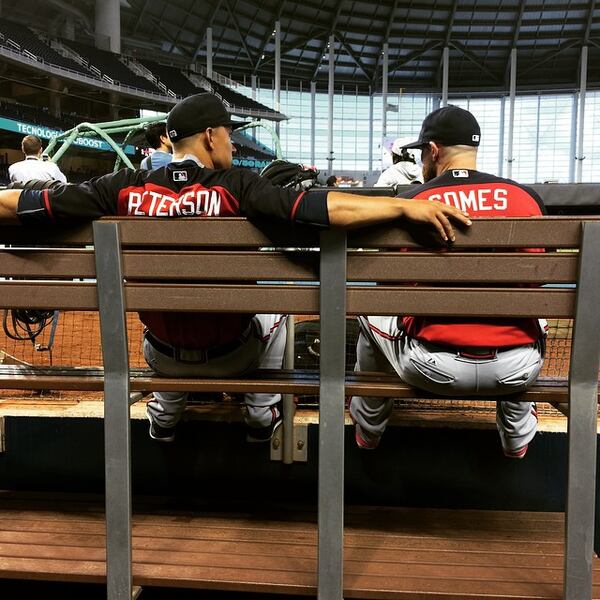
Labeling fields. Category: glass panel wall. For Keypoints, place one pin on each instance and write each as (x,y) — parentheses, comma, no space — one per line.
(543,143)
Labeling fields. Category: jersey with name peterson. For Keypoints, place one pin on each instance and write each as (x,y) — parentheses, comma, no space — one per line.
(180,189)
(481,195)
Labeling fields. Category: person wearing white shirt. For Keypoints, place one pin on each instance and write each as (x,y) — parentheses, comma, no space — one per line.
(33,167)
(405,169)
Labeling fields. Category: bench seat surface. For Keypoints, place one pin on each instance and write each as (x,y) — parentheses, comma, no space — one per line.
(390,553)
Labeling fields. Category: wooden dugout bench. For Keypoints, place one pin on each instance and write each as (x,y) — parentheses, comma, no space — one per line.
(210,265)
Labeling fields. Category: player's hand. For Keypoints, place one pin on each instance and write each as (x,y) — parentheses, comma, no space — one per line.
(437,214)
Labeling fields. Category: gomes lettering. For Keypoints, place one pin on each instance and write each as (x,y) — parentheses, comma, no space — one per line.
(474,199)
(192,203)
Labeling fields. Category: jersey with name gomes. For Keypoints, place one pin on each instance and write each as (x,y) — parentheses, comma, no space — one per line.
(181,189)
(481,195)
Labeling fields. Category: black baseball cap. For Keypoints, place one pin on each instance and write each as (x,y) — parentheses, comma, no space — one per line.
(450,126)
(196,113)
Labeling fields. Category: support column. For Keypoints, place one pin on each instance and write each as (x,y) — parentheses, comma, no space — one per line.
(108,25)
(511,113)
(277,104)
(582,92)
(384,89)
(370,131)
(330,89)
(445,70)
(537,141)
(114,106)
(253,84)
(573,145)
(501,137)
(67,30)
(313,117)
(55,89)
(209,53)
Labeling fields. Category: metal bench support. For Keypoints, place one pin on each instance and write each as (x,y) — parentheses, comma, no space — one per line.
(117,443)
(331,414)
(582,422)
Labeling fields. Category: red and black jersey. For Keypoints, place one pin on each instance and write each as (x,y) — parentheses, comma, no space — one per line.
(180,189)
(481,195)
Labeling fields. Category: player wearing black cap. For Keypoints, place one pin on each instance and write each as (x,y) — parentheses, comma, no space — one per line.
(201,182)
(450,356)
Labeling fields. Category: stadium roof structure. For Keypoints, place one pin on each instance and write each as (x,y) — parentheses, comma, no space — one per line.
(480,34)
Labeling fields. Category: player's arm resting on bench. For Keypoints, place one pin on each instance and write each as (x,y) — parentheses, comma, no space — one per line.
(323,208)
(44,202)
(351,210)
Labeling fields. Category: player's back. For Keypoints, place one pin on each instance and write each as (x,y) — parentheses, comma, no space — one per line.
(481,195)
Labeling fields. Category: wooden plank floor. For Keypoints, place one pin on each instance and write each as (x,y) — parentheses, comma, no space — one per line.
(391,553)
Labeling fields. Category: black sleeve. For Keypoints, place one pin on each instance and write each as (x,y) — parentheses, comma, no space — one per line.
(260,198)
(68,202)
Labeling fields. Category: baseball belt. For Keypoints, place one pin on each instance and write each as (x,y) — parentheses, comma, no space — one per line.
(196,355)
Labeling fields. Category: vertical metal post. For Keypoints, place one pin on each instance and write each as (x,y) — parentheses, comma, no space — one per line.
(277,103)
(384,88)
(117,444)
(511,112)
(537,140)
(582,422)
(313,117)
(330,90)
(573,144)
(370,131)
(209,53)
(253,84)
(501,137)
(331,414)
(445,71)
(582,92)
(289,406)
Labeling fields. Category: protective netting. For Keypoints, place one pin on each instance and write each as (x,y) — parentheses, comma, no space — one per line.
(77,343)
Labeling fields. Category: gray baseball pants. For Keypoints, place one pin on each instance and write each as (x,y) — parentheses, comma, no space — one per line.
(263,347)
(383,346)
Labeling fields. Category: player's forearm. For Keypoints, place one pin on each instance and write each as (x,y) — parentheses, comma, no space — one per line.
(351,210)
(9,200)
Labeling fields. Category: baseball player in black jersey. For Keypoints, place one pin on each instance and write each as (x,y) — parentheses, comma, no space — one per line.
(201,182)
(450,356)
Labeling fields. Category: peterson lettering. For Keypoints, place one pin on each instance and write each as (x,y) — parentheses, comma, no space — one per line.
(148,203)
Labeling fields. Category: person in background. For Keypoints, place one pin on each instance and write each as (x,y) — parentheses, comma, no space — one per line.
(332,181)
(404,169)
(156,135)
(33,166)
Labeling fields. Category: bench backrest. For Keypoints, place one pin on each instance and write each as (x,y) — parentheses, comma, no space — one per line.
(213,266)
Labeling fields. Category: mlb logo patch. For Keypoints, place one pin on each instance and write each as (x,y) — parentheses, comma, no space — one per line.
(475,137)
(180,176)
(460,173)
(172,133)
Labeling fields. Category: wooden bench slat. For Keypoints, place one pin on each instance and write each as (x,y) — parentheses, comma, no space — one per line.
(463,267)
(559,232)
(544,232)
(298,299)
(300,382)
(277,266)
(56,263)
(461,302)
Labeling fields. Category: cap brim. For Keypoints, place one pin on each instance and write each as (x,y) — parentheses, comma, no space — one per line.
(236,124)
(417,144)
